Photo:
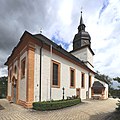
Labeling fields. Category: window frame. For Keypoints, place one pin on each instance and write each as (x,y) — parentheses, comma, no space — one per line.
(15,69)
(90,81)
(71,69)
(10,75)
(58,85)
(82,80)
(23,61)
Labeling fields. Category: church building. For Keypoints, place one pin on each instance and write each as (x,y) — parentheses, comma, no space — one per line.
(39,69)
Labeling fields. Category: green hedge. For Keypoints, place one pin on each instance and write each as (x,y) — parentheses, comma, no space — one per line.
(53,105)
(118,104)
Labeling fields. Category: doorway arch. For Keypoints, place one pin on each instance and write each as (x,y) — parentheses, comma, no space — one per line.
(14,91)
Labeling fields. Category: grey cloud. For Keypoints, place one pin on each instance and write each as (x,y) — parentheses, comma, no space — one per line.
(16,16)
(3,71)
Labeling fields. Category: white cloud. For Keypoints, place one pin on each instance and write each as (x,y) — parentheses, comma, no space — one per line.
(64,12)
(105,39)
(64,16)
(3,71)
(70,47)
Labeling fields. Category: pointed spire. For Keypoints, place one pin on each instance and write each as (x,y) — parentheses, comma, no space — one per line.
(81,19)
(82,38)
(81,27)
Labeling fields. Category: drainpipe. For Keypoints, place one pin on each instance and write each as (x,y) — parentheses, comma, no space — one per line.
(50,72)
(40,71)
(88,84)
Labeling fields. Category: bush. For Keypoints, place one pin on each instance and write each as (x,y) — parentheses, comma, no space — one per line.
(73,97)
(53,105)
(118,108)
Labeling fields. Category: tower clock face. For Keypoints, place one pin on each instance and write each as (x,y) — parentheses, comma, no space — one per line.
(85,42)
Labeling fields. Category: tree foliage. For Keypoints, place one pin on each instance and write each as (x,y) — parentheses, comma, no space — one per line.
(118,93)
(117,79)
(3,86)
(103,77)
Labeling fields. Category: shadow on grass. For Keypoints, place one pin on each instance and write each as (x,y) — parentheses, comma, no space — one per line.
(106,116)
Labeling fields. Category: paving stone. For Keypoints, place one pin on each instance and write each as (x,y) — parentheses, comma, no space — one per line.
(89,110)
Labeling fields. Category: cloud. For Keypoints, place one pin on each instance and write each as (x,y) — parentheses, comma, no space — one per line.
(115,84)
(15,18)
(59,40)
(3,71)
(105,4)
(18,16)
(105,36)
(59,21)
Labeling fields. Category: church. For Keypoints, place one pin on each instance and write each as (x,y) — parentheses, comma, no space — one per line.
(41,70)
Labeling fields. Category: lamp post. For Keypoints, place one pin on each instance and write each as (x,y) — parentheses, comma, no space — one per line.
(63,92)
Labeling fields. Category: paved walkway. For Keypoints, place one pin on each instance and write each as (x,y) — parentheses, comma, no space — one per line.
(89,110)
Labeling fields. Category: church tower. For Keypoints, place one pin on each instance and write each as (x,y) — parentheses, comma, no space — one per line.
(82,38)
(82,45)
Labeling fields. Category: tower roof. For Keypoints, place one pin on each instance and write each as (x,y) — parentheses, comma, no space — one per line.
(82,38)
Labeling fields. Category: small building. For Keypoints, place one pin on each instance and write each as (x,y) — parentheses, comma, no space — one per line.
(39,69)
(99,89)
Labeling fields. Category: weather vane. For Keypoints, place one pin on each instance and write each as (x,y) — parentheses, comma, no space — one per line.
(41,31)
(81,9)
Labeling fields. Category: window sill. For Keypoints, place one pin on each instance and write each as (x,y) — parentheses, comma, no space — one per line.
(82,87)
(55,86)
(73,87)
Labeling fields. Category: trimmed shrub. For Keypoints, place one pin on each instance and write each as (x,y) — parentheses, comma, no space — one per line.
(53,105)
(118,104)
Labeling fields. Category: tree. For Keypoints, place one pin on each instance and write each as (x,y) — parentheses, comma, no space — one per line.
(3,87)
(118,93)
(117,79)
(103,77)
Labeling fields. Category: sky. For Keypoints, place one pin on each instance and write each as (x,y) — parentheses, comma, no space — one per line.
(58,20)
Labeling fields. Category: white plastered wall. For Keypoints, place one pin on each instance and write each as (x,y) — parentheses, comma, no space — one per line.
(85,55)
(37,73)
(22,82)
(81,54)
(10,83)
(90,59)
(92,81)
(56,93)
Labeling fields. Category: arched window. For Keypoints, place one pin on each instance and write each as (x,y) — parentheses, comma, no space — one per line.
(15,69)
(23,64)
